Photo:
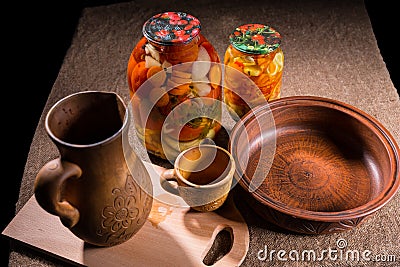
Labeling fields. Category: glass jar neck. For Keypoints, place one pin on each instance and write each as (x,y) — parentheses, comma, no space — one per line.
(171,48)
(254,55)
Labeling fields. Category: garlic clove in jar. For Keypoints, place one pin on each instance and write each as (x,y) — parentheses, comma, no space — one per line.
(202,65)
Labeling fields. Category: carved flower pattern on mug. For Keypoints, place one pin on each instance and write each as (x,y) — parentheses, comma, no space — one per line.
(121,214)
(127,209)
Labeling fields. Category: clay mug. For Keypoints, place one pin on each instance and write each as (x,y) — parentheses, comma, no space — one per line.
(202,176)
(90,186)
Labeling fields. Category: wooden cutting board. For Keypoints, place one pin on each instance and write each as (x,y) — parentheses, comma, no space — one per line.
(171,234)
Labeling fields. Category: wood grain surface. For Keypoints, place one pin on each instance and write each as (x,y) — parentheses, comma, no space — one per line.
(172,233)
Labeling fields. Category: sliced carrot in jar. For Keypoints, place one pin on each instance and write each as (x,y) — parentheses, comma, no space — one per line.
(264,62)
(261,80)
(131,64)
(153,70)
(156,75)
(155,120)
(266,90)
(276,92)
(180,89)
(159,97)
(187,132)
(236,65)
(139,75)
(174,101)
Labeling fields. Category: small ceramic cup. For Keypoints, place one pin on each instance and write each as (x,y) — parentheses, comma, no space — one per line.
(202,176)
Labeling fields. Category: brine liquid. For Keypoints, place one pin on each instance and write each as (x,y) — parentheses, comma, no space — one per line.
(265,71)
(171,80)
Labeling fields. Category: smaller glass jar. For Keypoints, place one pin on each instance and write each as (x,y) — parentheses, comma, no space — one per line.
(254,51)
(171,77)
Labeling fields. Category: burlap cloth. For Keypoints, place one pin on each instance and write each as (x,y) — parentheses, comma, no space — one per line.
(330,51)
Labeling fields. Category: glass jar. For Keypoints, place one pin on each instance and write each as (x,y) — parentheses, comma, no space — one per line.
(174,67)
(253,67)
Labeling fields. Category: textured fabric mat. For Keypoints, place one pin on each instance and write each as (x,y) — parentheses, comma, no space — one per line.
(330,51)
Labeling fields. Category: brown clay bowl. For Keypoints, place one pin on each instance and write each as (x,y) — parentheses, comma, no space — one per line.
(333,164)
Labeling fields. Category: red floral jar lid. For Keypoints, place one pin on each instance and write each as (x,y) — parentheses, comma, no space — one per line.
(171,28)
(255,39)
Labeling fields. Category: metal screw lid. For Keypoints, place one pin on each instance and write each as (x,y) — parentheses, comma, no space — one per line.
(170,28)
(255,39)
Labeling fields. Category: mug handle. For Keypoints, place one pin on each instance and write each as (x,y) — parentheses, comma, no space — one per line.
(48,187)
(165,177)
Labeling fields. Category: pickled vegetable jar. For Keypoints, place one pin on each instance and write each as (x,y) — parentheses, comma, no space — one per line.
(253,57)
(174,67)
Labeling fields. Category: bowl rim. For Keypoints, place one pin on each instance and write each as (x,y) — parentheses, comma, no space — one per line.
(377,127)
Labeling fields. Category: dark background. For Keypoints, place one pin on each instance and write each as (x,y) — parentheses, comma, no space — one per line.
(37,36)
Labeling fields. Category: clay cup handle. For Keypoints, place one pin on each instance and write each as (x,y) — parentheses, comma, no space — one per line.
(165,177)
(48,188)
